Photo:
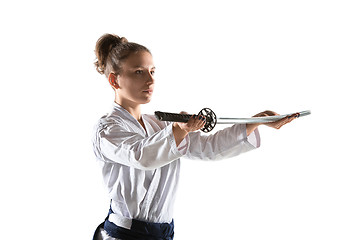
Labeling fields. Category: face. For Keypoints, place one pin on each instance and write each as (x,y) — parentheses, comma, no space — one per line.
(136,81)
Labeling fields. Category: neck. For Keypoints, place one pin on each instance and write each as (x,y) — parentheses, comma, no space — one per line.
(133,109)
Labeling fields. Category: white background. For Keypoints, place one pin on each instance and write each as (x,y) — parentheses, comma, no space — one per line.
(236,57)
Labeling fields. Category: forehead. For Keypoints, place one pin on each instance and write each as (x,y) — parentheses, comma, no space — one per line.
(139,59)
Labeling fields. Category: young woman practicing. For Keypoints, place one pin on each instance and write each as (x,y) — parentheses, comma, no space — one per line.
(140,155)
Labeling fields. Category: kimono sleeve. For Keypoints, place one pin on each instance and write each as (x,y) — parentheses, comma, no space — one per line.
(115,143)
(225,143)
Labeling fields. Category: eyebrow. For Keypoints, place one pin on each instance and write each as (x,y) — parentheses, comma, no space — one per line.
(143,67)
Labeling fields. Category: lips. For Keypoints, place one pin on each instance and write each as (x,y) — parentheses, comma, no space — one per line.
(149,91)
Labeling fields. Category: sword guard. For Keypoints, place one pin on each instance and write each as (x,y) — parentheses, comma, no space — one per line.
(210,119)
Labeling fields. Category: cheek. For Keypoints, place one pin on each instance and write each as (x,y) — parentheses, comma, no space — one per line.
(126,82)
(130,87)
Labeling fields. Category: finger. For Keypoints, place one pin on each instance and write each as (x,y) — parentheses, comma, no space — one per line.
(262,114)
(270,113)
(202,125)
(266,113)
(285,120)
(281,124)
(205,120)
(191,119)
(194,121)
(292,116)
(200,118)
(201,121)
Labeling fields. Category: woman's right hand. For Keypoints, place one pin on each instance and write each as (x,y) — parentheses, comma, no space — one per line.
(180,129)
(195,123)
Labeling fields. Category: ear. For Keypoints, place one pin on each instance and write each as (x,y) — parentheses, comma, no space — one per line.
(112,80)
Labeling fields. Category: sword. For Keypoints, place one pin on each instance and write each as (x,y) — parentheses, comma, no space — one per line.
(212,120)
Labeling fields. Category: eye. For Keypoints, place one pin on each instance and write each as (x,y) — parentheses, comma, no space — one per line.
(139,71)
(152,72)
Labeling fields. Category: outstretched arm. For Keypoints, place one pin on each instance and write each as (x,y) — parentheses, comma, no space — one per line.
(230,141)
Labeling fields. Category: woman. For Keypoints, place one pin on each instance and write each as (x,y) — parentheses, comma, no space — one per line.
(139,155)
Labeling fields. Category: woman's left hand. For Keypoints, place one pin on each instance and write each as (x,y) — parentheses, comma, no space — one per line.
(279,123)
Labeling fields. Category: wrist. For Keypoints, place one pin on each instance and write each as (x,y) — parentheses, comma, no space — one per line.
(179,133)
(179,130)
(250,127)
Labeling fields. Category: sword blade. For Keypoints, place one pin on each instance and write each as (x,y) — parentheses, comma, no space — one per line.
(259,119)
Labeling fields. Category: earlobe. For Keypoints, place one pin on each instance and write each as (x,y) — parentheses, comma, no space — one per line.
(112,81)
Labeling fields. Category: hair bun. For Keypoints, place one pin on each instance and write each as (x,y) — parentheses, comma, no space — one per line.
(103,47)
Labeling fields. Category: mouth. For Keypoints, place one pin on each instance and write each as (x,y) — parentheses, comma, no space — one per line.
(150,91)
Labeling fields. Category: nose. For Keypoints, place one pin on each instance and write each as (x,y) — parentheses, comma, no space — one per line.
(150,78)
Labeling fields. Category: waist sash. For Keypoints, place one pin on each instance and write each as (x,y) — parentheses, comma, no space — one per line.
(140,230)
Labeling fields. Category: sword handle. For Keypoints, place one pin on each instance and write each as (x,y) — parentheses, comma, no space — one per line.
(172,117)
(175,117)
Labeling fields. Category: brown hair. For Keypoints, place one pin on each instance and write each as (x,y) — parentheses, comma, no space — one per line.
(111,50)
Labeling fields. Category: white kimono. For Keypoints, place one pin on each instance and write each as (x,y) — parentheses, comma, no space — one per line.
(141,167)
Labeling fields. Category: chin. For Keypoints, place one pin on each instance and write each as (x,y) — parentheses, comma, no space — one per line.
(145,101)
